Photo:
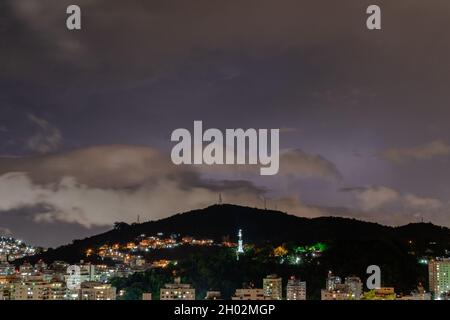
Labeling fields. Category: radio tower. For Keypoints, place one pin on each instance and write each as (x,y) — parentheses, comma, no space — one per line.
(264,201)
(220,198)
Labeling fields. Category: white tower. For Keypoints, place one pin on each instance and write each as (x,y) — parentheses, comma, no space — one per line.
(240,242)
(240,248)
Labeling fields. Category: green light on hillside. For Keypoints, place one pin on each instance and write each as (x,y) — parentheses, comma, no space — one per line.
(317,247)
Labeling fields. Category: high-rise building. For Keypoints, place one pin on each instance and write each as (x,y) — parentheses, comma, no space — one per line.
(355,287)
(351,289)
(38,289)
(439,276)
(87,272)
(332,281)
(56,290)
(272,286)
(177,291)
(92,290)
(250,294)
(295,289)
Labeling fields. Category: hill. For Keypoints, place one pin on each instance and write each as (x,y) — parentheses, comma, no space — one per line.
(260,226)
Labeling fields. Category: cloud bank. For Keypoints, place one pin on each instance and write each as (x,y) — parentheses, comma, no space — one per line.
(100,185)
(422,152)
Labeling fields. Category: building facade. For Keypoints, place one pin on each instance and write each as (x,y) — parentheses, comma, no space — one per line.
(336,294)
(177,291)
(295,289)
(272,286)
(351,289)
(91,290)
(355,287)
(439,277)
(250,294)
(38,289)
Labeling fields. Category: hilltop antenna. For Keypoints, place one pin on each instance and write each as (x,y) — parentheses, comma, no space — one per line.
(220,198)
(261,197)
(138,219)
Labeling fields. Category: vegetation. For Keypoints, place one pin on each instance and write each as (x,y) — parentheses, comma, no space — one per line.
(220,270)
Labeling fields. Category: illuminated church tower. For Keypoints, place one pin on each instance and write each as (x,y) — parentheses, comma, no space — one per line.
(240,248)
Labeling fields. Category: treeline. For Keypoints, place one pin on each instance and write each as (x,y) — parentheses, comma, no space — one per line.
(220,270)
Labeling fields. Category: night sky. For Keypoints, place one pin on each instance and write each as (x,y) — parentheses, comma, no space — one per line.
(86,116)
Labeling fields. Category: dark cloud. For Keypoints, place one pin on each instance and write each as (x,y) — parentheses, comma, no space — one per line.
(111,166)
(100,185)
(138,38)
(140,69)
(293,164)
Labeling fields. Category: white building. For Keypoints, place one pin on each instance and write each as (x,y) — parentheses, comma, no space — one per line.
(355,287)
(87,272)
(36,288)
(439,276)
(295,289)
(177,291)
(272,286)
(332,281)
(250,294)
(351,289)
(91,290)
